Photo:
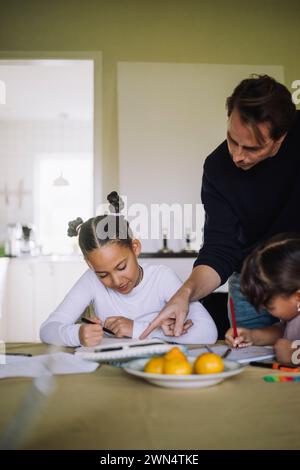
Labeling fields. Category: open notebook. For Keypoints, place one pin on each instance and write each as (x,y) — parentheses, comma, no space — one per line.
(241,355)
(112,349)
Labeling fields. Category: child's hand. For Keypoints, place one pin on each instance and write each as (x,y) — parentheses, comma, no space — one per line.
(243,339)
(91,335)
(120,326)
(283,350)
(168,326)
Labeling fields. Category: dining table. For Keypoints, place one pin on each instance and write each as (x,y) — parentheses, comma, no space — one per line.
(110,409)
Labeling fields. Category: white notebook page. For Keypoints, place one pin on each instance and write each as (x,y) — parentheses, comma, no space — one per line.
(241,355)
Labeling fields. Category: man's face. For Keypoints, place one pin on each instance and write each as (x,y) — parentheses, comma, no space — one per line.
(243,146)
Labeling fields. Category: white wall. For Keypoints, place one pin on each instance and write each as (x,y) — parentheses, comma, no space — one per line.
(171,116)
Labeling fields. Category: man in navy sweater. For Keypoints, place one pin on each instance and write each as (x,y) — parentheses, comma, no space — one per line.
(250,192)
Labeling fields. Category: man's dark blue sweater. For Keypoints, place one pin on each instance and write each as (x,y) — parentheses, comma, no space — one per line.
(244,208)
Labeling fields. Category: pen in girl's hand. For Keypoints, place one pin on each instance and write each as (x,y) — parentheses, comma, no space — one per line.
(87,320)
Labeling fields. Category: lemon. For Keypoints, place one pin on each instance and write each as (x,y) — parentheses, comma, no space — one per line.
(208,363)
(177,366)
(155,365)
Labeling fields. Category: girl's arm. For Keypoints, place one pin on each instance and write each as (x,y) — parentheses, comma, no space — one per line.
(203,329)
(60,328)
(284,351)
(259,337)
(268,335)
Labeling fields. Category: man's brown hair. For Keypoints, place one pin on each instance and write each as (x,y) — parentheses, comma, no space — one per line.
(261,99)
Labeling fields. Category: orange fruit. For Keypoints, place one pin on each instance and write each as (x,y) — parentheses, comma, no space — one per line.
(155,365)
(177,366)
(175,353)
(208,363)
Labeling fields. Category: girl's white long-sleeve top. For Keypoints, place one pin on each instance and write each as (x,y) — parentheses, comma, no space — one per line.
(141,305)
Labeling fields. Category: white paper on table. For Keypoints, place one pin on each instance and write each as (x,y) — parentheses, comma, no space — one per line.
(57,363)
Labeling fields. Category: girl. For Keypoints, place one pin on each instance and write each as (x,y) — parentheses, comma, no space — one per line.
(271,278)
(126,296)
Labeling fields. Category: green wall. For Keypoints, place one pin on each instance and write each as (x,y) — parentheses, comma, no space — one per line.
(207,31)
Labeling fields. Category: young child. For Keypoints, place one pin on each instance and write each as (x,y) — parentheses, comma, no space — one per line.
(271,278)
(126,296)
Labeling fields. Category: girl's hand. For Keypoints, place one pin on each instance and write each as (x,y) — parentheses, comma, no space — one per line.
(91,335)
(243,339)
(284,351)
(168,326)
(120,326)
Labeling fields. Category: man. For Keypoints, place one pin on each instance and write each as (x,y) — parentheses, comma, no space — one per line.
(250,192)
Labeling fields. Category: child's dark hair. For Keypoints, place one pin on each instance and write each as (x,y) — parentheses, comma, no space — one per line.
(272,269)
(103,229)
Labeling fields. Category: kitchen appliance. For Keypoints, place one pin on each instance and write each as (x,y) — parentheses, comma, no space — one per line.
(27,245)
(13,238)
(20,240)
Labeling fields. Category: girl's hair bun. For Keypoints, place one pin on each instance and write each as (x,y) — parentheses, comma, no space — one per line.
(74,226)
(116,202)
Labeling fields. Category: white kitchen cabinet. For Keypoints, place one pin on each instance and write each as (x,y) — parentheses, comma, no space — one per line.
(53,280)
(18,311)
(45,297)
(34,287)
(3,283)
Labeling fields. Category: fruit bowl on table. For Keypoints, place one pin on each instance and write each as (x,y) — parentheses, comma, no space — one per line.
(136,368)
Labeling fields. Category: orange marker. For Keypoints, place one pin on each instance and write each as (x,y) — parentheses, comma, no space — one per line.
(285,368)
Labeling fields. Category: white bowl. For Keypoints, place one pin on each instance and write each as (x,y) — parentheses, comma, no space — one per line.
(136,368)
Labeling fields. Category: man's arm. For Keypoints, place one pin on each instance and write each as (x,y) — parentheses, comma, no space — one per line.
(201,282)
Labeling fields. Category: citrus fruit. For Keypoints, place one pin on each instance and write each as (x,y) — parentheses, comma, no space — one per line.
(177,366)
(208,363)
(155,365)
(175,353)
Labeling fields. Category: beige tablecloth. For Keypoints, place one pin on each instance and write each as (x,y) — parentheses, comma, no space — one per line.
(108,409)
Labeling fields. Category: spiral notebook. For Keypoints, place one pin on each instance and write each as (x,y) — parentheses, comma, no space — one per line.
(241,355)
(112,349)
